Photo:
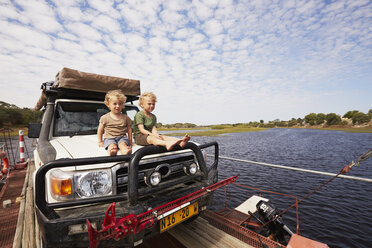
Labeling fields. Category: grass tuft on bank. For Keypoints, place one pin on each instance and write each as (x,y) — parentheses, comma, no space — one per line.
(216,132)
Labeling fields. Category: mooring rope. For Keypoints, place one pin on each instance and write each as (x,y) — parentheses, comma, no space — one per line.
(363,157)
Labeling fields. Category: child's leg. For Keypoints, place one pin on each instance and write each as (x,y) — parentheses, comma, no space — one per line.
(166,141)
(171,141)
(124,148)
(112,149)
(184,141)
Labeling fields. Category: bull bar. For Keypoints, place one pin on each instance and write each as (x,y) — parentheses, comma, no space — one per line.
(132,195)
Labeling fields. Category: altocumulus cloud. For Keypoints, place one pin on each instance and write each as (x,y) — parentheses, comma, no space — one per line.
(208,61)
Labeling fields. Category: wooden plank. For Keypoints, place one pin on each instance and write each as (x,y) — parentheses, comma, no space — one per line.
(29,227)
(19,234)
(199,233)
(17,241)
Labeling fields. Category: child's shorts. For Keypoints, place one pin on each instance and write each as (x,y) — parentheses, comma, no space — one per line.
(116,140)
(141,139)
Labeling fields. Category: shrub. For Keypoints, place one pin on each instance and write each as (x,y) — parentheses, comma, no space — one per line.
(292,122)
(320,118)
(310,119)
(350,114)
(333,119)
(360,118)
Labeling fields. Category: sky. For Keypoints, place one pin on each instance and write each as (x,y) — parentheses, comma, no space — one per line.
(208,61)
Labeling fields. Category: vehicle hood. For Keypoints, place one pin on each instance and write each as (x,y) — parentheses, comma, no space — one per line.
(79,146)
(86,146)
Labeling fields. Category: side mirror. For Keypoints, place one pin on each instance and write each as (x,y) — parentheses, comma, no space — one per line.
(34,130)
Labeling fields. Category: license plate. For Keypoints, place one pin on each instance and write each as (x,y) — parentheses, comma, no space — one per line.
(178,216)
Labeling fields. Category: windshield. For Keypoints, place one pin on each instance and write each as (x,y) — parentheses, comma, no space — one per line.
(79,118)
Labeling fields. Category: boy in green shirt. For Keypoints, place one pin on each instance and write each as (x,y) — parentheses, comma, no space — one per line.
(145,132)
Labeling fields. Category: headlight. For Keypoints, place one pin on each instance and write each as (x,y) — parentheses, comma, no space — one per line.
(190,169)
(152,178)
(96,183)
(193,168)
(69,185)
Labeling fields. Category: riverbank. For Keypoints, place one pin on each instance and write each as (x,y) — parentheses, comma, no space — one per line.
(216,132)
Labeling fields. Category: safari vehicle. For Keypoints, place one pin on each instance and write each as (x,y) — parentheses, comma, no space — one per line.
(75,180)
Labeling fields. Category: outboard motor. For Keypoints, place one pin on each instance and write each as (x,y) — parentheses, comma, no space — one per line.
(268,213)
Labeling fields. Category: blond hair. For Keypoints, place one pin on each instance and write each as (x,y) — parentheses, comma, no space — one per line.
(115,93)
(147,95)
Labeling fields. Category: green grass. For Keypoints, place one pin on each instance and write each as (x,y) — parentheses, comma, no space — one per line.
(367,129)
(14,131)
(216,132)
(181,128)
(351,130)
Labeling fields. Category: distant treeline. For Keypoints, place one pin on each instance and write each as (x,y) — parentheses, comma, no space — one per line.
(350,118)
(176,125)
(11,115)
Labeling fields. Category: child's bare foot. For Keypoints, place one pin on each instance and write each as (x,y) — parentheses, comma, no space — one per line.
(127,151)
(112,150)
(170,144)
(184,140)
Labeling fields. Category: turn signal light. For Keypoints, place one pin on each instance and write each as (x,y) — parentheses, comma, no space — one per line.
(60,186)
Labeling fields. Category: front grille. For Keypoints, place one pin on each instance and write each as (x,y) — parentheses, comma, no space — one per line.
(171,168)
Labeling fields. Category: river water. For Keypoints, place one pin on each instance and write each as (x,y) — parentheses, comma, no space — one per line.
(339,214)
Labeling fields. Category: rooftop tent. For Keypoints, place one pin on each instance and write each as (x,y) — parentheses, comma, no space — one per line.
(74,79)
(77,80)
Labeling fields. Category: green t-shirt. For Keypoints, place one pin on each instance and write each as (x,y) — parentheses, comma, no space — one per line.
(141,118)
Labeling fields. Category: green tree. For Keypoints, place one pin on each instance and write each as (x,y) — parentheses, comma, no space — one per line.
(269,125)
(310,119)
(255,124)
(299,121)
(190,125)
(292,122)
(30,115)
(360,118)
(11,115)
(320,118)
(282,124)
(3,117)
(333,119)
(350,114)
(370,112)
(16,117)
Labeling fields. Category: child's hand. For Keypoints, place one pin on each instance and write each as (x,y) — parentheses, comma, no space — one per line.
(100,144)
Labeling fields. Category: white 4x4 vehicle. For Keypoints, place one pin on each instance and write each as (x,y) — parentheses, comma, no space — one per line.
(75,180)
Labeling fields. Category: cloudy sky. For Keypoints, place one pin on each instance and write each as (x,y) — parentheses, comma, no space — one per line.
(208,61)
